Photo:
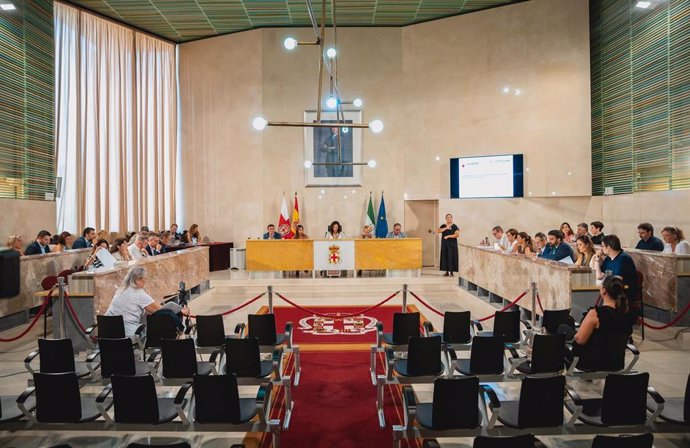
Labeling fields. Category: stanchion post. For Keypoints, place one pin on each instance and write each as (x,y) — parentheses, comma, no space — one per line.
(404,304)
(270,299)
(533,286)
(61,299)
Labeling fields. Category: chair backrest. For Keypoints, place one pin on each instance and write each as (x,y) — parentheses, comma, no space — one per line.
(552,319)
(625,399)
(263,326)
(216,399)
(448,393)
(424,356)
(179,358)
(541,402)
(56,355)
(523,441)
(111,327)
(167,445)
(686,404)
(117,357)
(405,326)
(624,441)
(159,327)
(456,327)
(507,324)
(135,399)
(548,353)
(210,331)
(243,357)
(57,397)
(49,282)
(486,356)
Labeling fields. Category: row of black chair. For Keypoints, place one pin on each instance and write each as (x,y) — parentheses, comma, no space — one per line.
(529,441)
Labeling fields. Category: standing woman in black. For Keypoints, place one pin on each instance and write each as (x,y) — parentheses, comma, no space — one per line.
(449,246)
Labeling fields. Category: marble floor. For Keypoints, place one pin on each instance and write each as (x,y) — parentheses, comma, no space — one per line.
(665,354)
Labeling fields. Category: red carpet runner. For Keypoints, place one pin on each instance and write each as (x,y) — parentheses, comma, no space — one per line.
(335,402)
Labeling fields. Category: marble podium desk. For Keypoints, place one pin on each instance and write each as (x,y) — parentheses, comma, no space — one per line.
(164,273)
(503,277)
(296,255)
(32,270)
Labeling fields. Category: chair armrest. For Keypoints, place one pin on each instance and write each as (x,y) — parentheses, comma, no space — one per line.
(513,352)
(28,360)
(409,406)
(215,354)
(91,329)
(430,443)
(92,357)
(636,356)
(154,355)
(288,333)
(659,400)
(277,359)
(182,393)
(22,399)
(577,400)
(239,329)
(526,323)
(379,333)
(515,360)
(390,363)
(476,325)
(139,337)
(263,401)
(494,404)
(189,327)
(104,393)
(140,330)
(91,364)
(428,328)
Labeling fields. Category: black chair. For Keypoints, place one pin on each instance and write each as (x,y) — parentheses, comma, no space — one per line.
(552,319)
(405,326)
(457,329)
(624,441)
(507,325)
(179,361)
(548,356)
(209,332)
(423,364)
(57,356)
(113,327)
(136,402)
(159,327)
(166,445)
(117,358)
(676,410)
(522,441)
(486,359)
(454,411)
(58,400)
(623,403)
(263,327)
(540,404)
(614,347)
(217,402)
(243,359)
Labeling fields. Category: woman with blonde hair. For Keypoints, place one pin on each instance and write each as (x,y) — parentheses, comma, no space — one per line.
(103,235)
(675,241)
(585,252)
(16,243)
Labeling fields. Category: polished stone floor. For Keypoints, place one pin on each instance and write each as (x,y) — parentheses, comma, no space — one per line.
(665,354)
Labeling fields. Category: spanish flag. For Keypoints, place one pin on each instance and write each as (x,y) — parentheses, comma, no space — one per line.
(295,216)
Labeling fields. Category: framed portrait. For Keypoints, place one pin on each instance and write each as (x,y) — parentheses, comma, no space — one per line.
(321,146)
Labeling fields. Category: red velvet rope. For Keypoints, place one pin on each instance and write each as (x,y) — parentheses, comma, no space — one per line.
(249,302)
(539,303)
(338,315)
(480,320)
(670,324)
(74,313)
(33,322)
(427,305)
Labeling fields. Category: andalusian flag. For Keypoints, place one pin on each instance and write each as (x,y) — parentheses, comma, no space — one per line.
(295,216)
(370,217)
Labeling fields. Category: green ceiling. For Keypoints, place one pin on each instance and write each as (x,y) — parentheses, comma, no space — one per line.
(186,20)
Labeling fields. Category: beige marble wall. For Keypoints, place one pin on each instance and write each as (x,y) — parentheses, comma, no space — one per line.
(25,217)
(437,87)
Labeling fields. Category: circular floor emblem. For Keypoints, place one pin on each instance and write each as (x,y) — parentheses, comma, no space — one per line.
(327,326)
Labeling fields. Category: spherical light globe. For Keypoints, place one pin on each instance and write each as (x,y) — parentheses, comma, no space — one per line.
(376,126)
(307,164)
(346,130)
(290,43)
(331,53)
(259,123)
(357,102)
(371,164)
(331,102)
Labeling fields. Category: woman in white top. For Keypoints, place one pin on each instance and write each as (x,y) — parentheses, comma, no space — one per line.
(675,241)
(335,231)
(511,235)
(131,301)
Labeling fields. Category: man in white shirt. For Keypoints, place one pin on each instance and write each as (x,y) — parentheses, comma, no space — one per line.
(138,249)
(501,238)
(397,232)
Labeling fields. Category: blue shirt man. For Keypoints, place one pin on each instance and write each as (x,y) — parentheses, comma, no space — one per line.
(86,240)
(272,234)
(647,239)
(556,249)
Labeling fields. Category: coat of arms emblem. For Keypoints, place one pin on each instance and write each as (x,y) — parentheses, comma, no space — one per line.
(333,254)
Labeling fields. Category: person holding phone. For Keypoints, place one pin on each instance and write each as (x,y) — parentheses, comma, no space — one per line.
(449,246)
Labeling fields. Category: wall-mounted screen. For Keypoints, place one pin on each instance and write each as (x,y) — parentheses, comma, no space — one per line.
(486,177)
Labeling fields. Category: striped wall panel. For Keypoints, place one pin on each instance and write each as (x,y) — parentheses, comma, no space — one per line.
(640,65)
(27,167)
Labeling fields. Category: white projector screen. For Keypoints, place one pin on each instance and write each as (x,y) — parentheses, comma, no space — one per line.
(486,176)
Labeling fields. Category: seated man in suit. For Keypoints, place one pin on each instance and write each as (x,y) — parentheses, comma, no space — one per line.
(152,247)
(397,232)
(556,249)
(165,242)
(647,239)
(86,239)
(272,234)
(40,246)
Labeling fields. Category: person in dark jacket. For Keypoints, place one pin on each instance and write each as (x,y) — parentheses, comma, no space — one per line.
(40,246)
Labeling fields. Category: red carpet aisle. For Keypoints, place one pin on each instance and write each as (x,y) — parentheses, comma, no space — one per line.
(335,403)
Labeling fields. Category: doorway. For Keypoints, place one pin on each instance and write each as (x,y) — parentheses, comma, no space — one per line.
(421,221)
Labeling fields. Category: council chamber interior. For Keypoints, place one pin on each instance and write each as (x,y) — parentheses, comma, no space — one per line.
(339,223)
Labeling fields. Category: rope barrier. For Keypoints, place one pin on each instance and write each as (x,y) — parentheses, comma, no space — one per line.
(480,320)
(249,302)
(337,315)
(426,304)
(33,322)
(74,313)
(539,303)
(670,324)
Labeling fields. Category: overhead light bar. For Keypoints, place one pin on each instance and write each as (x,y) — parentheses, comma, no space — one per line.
(7,6)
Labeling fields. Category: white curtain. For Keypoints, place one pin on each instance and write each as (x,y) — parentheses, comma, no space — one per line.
(116,125)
